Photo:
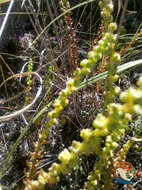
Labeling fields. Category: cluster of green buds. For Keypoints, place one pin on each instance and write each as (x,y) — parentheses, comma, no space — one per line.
(59,104)
(102,140)
(30,69)
(133,99)
(110,128)
(113,127)
(64,5)
(107,45)
(29,81)
(125,148)
(106,11)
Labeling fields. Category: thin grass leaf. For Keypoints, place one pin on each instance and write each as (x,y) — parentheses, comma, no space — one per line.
(4,1)
(103,75)
(6,17)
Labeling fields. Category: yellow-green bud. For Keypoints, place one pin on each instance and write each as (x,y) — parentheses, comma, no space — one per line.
(138,109)
(97,49)
(100,121)
(85,70)
(78,72)
(64,156)
(109,139)
(109,7)
(85,133)
(84,62)
(101,132)
(128,117)
(70,82)
(112,27)
(116,90)
(116,58)
(114,145)
(54,121)
(51,114)
(91,55)
(57,103)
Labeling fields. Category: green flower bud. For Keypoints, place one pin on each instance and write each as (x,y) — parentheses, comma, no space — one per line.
(112,27)
(104,3)
(51,114)
(114,145)
(108,19)
(121,132)
(84,62)
(94,182)
(85,70)
(98,56)
(97,49)
(86,134)
(116,137)
(109,139)
(109,7)
(91,55)
(58,109)
(115,78)
(109,37)
(101,4)
(65,102)
(76,147)
(138,96)
(138,109)
(70,82)
(100,121)
(91,63)
(64,93)
(116,90)
(54,121)
(78,72)
(116,58)
(57,103)
(100,132)
(124,96)
(128,117)
(105,14)
(65,156)
(108,146)
(101,45)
